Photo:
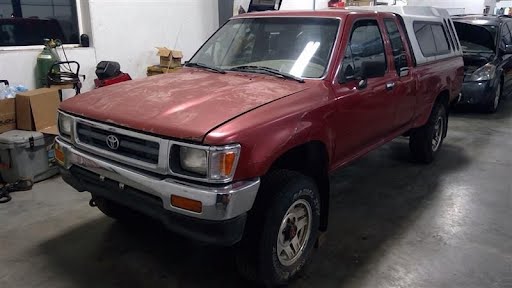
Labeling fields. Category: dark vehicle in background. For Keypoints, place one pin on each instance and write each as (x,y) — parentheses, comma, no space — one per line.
(487,45)
(28,31)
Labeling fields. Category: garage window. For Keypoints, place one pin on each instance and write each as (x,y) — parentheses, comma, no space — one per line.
(29,22)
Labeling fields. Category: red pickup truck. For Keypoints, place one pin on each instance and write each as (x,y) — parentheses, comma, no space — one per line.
(236,147)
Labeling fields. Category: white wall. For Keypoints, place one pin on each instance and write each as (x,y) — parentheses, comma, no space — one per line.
(126,31)
(469,6)
(491,4)
(18,66)
(303,4)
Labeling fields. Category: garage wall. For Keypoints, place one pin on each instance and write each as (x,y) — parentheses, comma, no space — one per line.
(303,4)
(456,6)
(125,31)
(18,66)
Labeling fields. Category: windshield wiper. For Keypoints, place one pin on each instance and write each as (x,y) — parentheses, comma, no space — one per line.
(266,70)
(201,65)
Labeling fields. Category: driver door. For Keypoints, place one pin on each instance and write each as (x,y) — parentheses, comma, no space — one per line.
(364,113)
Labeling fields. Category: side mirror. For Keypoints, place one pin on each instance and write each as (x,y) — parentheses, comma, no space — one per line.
(369,69)
(507,49)
(346,74)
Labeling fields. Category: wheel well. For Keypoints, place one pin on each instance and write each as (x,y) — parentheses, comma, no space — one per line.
(310,159)
(444,98)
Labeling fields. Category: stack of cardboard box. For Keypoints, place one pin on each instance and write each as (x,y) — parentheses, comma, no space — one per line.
(359,3)
(170,61)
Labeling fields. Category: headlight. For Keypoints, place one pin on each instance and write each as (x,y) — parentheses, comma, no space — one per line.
(214,164)
(65,125)
(484,73)
(194,160)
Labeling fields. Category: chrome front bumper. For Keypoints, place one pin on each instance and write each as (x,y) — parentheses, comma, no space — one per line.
(218,203)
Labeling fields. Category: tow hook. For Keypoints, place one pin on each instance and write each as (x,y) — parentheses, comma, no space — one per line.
(92,202)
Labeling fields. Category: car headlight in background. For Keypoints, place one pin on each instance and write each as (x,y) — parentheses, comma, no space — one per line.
(215,164)
(484,73)
(65,125)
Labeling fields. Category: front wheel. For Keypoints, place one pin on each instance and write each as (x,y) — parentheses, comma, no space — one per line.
(426,141)
(288,232)
(494,103)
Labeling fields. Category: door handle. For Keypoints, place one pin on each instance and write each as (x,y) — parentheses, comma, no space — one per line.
(390,85)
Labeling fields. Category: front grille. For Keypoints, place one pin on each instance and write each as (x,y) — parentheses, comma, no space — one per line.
(131,147)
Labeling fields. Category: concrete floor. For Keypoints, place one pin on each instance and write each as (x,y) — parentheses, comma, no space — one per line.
(393,224)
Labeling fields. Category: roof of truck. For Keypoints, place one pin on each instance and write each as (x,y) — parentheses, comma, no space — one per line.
(415,11)
(331,12)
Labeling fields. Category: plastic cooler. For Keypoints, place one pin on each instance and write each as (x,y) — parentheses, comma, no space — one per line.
(26,155)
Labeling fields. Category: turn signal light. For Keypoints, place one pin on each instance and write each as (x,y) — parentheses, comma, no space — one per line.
(227,162)
(59,154)
(186,204)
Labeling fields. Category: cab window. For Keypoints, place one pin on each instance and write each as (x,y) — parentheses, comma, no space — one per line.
(397,45)
(365,51)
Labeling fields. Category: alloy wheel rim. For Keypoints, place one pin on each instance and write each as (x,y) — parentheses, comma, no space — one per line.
(294,232)
(438,134)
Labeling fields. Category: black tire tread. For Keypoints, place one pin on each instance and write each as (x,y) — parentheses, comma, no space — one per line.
(420,142)
(274,185)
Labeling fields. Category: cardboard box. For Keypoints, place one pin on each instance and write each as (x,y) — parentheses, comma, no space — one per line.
(359,3)
(7,115)
(169,58)
(36,110)
(157,69)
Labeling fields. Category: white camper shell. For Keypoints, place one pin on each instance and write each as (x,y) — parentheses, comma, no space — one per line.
(424,25)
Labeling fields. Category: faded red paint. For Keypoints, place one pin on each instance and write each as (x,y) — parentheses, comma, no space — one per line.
(186,104)
(269,116)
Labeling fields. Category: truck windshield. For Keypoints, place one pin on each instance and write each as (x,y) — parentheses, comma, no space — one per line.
(475,38)
(300,47)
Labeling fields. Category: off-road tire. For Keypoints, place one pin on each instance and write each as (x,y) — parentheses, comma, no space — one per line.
(257,257)
(421,139)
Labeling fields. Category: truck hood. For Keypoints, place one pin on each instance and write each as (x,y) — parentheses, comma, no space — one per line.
(186,104)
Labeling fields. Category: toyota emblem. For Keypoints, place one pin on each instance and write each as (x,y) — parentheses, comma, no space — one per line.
(112,142)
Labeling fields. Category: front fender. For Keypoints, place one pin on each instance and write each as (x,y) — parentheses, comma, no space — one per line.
(272,130)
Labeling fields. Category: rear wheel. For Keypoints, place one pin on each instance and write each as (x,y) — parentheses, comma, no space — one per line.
(277,250)
(426,141)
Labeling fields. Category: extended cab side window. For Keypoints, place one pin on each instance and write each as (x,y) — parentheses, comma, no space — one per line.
(397,45)
(431,38)
(365,51)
